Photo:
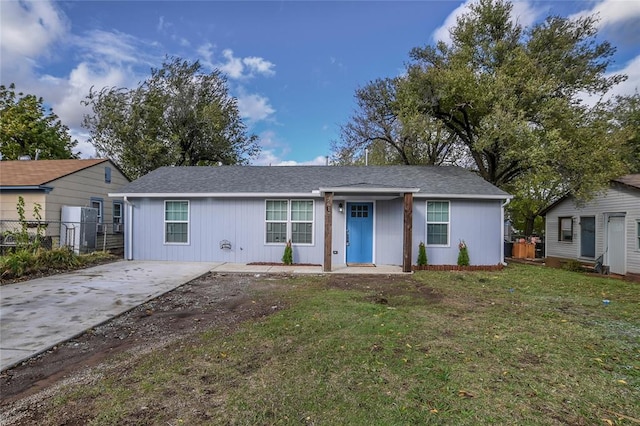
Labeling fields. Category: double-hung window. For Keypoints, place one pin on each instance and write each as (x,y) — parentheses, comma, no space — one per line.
(96,203)
(176,222)
(277,216)
(117,216)
(289,220)
(565,229)
(438,223)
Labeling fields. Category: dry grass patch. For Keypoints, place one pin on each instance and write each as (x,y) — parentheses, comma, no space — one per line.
(525,345)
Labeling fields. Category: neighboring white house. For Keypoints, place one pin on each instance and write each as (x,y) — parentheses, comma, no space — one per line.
(332,214)
(607,226)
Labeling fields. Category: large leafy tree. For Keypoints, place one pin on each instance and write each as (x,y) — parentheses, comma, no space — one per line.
(388,125)
(512,96)
(626,112)
(27,128)
(179,116)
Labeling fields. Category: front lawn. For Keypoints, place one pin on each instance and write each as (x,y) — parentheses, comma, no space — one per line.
(527,345)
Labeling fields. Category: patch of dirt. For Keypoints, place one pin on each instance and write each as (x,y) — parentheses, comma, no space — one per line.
(215,301)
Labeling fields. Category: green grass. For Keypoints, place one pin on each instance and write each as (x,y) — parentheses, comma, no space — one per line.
(527,345)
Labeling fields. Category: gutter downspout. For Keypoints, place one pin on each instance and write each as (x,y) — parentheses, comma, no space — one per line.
(507,201)
(128,239)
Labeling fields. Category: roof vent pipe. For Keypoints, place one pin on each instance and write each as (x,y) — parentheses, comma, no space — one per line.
(366,156)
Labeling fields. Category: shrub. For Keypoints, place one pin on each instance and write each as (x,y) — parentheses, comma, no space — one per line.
(96,257)
(463,254)
(573,265)
(287,257)
(422,254)
(59,258)
(18,263)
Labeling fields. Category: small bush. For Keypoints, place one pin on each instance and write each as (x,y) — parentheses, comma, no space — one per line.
(573,265)
(96,257)
(463,255)
(422,254)
(59,258)
(17,264)
(287,257)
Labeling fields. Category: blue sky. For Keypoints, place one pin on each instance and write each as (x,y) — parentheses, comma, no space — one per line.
(293,65)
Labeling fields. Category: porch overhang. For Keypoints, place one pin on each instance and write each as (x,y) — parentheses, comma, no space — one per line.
(366,189)
(330,194)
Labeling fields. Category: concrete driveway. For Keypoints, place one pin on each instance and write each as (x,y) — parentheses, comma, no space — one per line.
(36,315)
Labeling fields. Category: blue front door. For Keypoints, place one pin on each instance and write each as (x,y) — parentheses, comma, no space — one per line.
(359,232)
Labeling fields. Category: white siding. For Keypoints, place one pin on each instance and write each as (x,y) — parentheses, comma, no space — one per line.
(616,199)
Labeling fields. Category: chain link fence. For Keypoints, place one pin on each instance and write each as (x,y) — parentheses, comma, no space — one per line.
(81,237)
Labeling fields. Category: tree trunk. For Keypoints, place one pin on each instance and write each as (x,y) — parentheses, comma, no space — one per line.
(529,223)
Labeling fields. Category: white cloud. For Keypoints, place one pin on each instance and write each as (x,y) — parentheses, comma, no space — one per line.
(523,13)
(274,151)
(115,48)
(442,33)
(237,68)
(206,53)
(233,66)
(612,12)
(29,33)
(254,107)
(632,84)
(259,65)
(271,158)
(28,29)
(318,161)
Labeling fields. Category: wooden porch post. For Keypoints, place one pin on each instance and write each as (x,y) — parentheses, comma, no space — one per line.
(328,222)
(408,230)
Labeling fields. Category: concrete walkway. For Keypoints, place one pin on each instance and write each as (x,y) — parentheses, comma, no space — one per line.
(38,314)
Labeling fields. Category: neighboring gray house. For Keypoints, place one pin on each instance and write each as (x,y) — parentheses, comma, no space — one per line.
(608,226)
(333,215)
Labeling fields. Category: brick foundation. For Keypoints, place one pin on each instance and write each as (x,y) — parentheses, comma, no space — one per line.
(497,267)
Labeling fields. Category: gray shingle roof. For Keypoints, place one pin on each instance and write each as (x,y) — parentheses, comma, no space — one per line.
(432,180)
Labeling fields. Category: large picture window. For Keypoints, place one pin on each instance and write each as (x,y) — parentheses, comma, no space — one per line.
(565,229)
(289,220)
(176,222)
(438,223)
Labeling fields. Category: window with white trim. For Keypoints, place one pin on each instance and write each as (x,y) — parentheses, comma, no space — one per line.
(96,203)
(565,229)
(289,220)
(176,222)
(117,216)
(438,223)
